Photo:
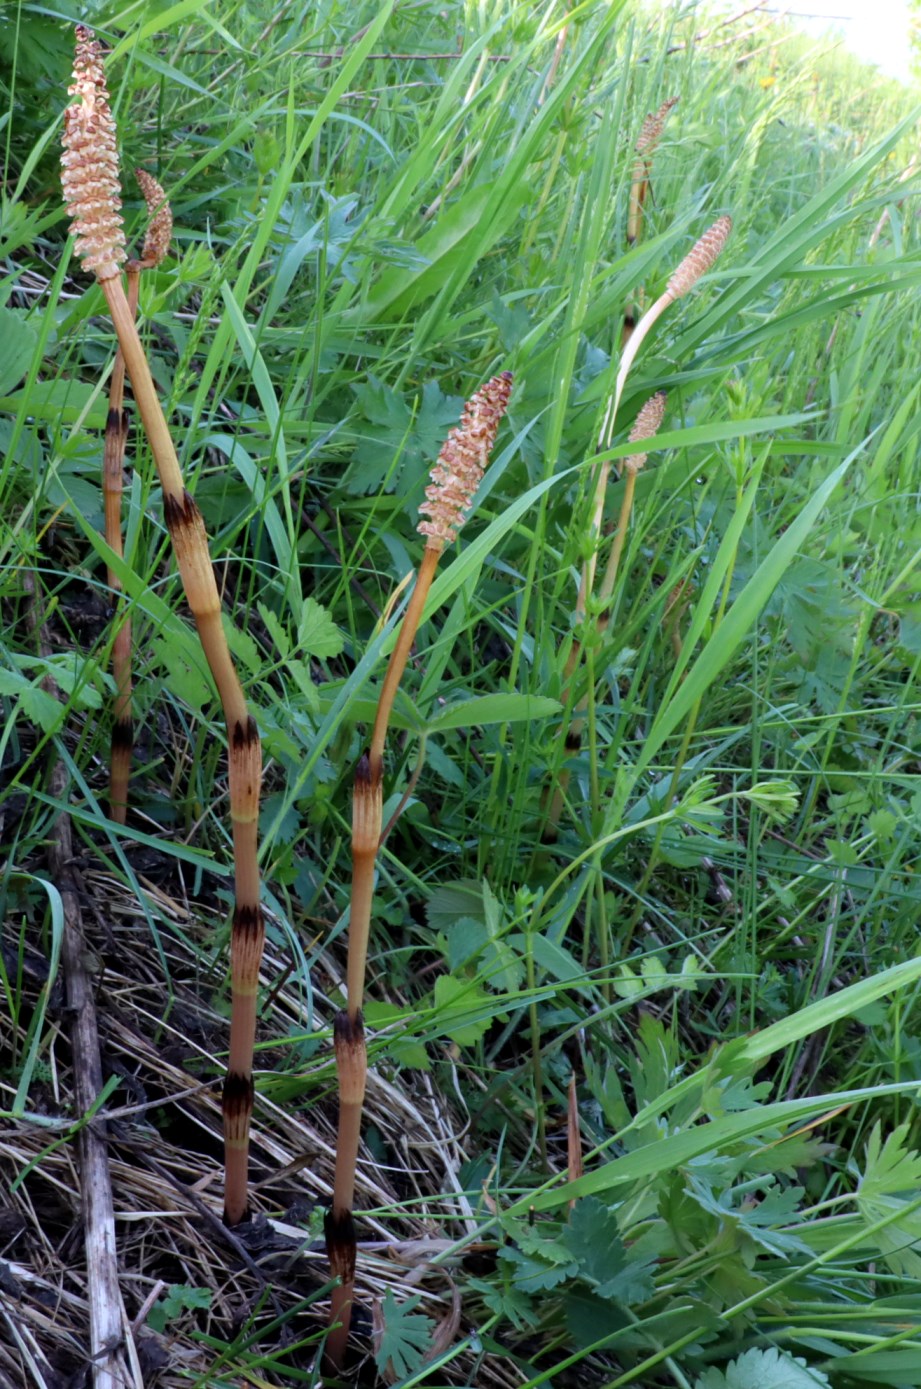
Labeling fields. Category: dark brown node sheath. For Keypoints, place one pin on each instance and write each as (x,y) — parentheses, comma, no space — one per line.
(190,546)
(352,1068)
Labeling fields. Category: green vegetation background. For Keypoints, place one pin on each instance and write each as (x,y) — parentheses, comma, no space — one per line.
(377,207)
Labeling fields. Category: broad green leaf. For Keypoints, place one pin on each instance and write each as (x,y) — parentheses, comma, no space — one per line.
(406,1336)
(60,401)
(495,708)
(764,1369)
(456,1000)
(17,343)
(890,1181)
(317,634)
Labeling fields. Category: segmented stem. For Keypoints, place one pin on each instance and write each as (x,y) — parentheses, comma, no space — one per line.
(116,437)
(455,479)
(90,180)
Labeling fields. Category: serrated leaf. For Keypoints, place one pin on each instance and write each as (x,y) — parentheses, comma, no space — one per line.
(187,680)
(533,1275)
(508,1302)
(317,634)
(593,1238)
(451,901)
(41,707)
(764,1369)
(466,940)
(405,1337)
(553,958)
(305,683)
(241,644)
(287,827)
(589,1317)
(455,1000)
(275,629)
(890,1182)
(406,1051)
(60,400)
(442,765)
(12,682)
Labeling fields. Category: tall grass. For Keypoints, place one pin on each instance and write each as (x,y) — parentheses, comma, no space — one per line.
(719,949)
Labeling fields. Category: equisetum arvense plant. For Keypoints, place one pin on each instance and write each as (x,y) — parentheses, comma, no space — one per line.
(156,245)
(90,179)
(646,145)
(454,480)
(701,258)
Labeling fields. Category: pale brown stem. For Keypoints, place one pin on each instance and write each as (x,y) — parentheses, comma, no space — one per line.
(190,544)
(599,489)
(606,590)
(351,1054)
(404,645)
(638,190)
(352,1068)
(116,435)
(605,593)
(554,64)
(574,1167)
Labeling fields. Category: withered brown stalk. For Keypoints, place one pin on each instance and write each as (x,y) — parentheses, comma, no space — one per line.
(454,481)
(93,195)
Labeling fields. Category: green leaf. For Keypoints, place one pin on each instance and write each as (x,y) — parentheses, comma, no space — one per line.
(738,621)
(41,707)
(180,1298)
(443,247)
(405,1337)
(60,401)
(553,958)
(455,1000)
(17,343)
(451,901)
(241,644)
(764,1369)
(406,1051)
(890,1181)
(679,1148)
(275,629)
(494,708)
(317,634)
(466,939)
(185,664)
(593,1238)
(535,1275)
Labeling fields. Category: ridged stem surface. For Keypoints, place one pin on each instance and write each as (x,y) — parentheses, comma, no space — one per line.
(190,544)
(351,1052)
(116,436)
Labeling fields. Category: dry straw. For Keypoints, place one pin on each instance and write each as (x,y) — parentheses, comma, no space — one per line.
(454,480)
(93,195)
